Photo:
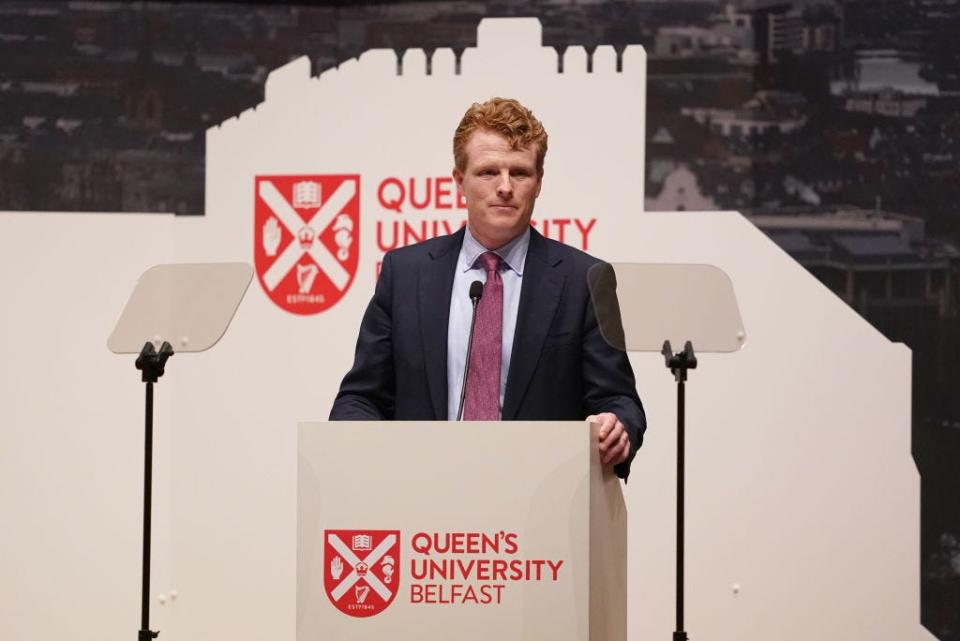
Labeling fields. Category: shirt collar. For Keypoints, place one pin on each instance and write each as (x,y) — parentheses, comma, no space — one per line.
(513,254)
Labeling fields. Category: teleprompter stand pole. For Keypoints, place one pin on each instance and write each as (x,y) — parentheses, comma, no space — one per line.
(150,362)
(679,363)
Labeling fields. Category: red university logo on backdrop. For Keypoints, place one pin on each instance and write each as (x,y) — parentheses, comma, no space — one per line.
(360,569)
(306,239)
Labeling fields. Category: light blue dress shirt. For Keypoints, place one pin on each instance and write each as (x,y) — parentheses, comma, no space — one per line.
(513,255)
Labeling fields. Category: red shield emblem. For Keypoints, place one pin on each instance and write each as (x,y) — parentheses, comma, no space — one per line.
(306,233)
(360,569)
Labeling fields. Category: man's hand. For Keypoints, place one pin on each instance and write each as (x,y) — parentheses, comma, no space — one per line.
(613,441)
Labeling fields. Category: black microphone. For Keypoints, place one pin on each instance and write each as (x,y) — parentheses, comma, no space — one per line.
(476,291)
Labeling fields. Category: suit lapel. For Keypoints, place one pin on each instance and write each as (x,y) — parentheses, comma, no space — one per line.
(436,283)
(539,297)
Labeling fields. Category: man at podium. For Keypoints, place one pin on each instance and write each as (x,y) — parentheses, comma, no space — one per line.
(536,353)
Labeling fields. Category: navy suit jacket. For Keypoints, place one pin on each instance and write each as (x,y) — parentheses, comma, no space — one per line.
(560,367)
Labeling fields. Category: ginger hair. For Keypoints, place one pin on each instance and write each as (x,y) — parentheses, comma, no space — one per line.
(506,117)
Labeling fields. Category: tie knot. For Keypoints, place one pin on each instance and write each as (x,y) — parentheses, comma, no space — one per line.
(491,261)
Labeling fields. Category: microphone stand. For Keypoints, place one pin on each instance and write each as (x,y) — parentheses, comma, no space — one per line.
(151,363)
(476,291)
(679,363)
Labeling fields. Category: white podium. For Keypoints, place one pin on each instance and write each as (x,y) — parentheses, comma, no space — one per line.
(458,531)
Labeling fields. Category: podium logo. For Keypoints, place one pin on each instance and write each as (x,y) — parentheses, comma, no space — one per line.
(306,239)
(360,570)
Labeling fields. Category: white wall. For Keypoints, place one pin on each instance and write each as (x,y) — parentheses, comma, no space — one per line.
(71,427)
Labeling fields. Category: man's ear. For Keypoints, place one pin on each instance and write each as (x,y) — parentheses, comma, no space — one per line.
(539,182)
(458,178)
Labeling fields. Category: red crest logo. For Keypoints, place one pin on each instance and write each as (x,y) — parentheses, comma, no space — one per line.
(360,569)
(306,234)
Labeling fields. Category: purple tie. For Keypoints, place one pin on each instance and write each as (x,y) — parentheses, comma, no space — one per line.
(483,379)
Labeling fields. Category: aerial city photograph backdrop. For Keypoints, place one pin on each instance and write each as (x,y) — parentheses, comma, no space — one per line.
(833,125)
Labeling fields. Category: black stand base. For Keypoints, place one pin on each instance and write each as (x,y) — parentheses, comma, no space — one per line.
(678,364)
(151,363)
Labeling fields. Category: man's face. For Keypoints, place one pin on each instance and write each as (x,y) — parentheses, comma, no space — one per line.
(500,186)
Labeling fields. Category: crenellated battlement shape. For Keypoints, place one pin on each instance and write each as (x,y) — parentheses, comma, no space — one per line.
(382,114)
(505,46)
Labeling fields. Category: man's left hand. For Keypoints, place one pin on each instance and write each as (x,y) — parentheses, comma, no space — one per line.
(614,443)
